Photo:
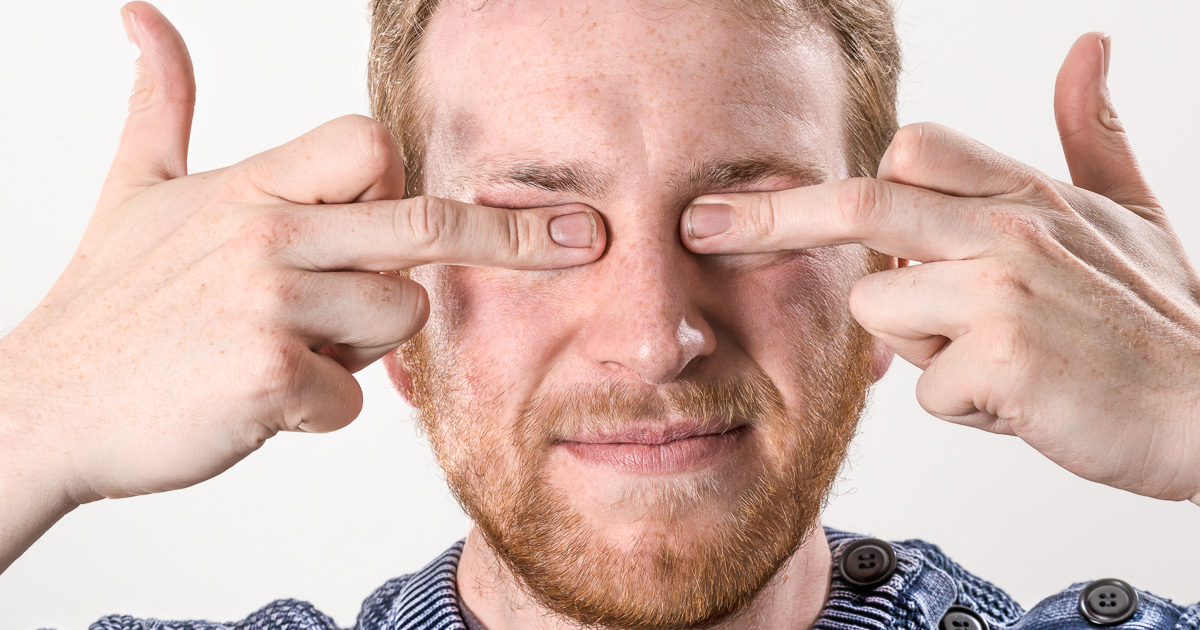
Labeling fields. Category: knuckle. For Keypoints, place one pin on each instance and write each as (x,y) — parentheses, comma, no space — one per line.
(143,97)
(519,243)
(374,143)
(1005,345)
(760,216)
(859,200)
(1044,191)
(907,146)
(265,235)
(862,300)
(1006,284)
(225,189)
(282,294)
(405,303)
(930,392)
(278,370)
(376,295)
(1020,227)
(265,295)
(243,180)
(426,221)
(415,307)
(150,95)
(255,434)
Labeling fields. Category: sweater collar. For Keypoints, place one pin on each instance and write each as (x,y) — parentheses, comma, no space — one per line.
(916,593)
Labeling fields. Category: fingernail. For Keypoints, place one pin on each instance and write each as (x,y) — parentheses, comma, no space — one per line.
(709,219)
(1105,46)
(1108,115)
(574,230)
(129,18)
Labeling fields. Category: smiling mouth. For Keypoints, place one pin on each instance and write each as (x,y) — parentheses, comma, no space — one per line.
(674,448)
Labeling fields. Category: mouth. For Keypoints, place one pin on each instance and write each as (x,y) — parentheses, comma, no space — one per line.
(672,448)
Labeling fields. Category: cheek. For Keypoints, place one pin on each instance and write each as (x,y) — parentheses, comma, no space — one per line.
(508,328)
(508,325)
(785,317)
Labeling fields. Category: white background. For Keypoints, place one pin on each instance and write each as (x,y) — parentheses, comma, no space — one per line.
(329,518)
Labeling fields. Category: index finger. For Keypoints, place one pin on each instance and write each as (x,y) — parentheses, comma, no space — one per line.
(398,234)
(895,219)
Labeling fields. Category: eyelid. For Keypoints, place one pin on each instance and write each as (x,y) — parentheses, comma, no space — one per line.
(497,200)
(772,183)
(746,263)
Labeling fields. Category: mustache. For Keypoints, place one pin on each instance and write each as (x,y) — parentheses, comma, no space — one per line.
(618,405)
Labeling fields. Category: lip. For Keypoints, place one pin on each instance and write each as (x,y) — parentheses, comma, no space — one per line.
(657,435)
(673,448)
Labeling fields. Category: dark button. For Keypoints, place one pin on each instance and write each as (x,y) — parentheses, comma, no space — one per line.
(960,618)
(867,562)
(1108,602)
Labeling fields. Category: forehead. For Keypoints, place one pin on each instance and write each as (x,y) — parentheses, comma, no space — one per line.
(642,86)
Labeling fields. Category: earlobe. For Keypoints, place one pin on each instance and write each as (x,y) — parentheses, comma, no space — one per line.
(881,355)
(399,376)
(881,359)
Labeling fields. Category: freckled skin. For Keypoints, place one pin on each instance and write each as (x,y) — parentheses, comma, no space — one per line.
(642,92)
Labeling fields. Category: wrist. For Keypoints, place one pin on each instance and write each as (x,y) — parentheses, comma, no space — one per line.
(32,497)
(33,433)
(33,492)
(1192,448)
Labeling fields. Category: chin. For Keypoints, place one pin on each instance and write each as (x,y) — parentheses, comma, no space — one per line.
(645,513)
(684,549)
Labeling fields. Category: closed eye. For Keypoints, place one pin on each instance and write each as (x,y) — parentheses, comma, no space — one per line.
(748,263)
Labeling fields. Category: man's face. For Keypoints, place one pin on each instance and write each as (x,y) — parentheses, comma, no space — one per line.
(556,400)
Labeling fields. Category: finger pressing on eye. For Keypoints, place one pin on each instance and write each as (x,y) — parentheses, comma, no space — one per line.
(386,235)
(895,219)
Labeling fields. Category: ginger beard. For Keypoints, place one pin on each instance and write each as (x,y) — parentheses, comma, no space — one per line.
(686,567)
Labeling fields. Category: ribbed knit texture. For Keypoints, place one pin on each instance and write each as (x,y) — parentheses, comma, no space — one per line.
(924,585)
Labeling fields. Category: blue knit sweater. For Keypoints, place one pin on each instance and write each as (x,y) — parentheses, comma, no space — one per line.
(924,585)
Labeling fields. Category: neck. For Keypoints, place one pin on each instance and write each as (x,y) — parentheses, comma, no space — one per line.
(792,599)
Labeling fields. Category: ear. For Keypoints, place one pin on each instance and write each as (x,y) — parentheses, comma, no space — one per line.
(399,375)
(881,355)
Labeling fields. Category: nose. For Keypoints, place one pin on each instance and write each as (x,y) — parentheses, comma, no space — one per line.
(645,321)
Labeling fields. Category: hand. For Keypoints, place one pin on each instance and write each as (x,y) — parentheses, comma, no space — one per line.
(1067,315)
(204,313)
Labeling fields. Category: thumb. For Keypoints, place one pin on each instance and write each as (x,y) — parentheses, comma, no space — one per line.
(1097,149)
(154,143)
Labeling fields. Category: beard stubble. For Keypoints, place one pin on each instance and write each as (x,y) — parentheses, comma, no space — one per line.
(679,573)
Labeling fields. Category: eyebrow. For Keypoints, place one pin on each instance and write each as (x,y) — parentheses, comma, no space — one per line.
(723,173)
(590,180)
(572,176)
